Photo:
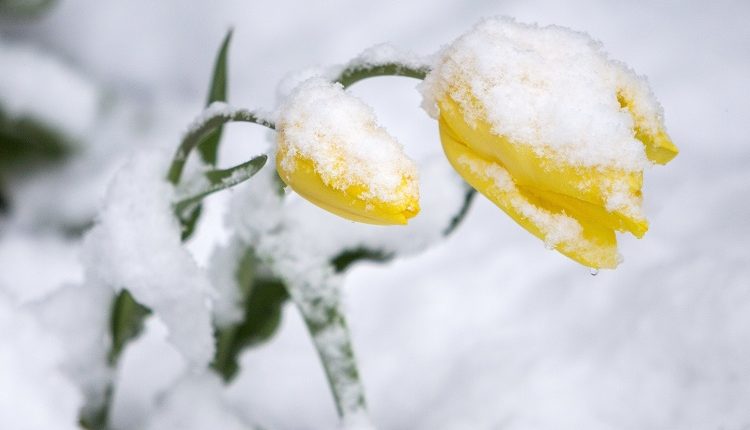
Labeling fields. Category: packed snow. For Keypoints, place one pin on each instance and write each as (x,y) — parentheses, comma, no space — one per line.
(35,395)
(136,245)
(196,402)
(78,315)
(41,264)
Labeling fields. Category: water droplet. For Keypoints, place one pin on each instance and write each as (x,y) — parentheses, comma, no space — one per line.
(594,271)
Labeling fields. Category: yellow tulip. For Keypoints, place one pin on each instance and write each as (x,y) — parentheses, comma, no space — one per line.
(574,205)
(332,152)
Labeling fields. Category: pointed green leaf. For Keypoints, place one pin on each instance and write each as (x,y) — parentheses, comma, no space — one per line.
(234,175)
(217,180)
(126,322)
(264,298)
(217,92)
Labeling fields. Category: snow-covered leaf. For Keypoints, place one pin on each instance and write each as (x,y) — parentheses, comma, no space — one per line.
(217,92)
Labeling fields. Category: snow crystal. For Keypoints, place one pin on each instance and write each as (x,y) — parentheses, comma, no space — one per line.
(35,394)
(136,245)
(549,87)
(38,86)
(339,133)
(196,403)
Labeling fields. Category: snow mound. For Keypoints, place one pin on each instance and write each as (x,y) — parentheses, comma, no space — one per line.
(35,393)
(136,245)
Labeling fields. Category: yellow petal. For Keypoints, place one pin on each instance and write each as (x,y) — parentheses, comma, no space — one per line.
(579,190)
(582,239)
(656,141)
(332,151)
(582,209)
(349,203)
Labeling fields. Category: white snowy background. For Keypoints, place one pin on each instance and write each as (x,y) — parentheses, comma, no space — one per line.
(485,330)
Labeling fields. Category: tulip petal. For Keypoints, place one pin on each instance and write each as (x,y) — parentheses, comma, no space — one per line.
(612,195)
(348,203)
(582,209)
(659,147)
(581,239)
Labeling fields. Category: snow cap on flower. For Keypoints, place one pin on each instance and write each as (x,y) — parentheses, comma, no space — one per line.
(545,125)
(333,153)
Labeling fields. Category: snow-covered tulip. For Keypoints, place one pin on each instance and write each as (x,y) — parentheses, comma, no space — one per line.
(557,135)
(332,152)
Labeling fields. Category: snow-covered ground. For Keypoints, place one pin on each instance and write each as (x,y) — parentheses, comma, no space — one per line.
(485,330)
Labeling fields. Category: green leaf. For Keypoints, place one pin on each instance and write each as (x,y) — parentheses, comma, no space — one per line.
(346,258)
(98,418)
(24,8)
(217,92)
(26,142)
(234,175)
(126,322)
(264,298)
(189,220)
(217,180)
(4,204)
(28,146)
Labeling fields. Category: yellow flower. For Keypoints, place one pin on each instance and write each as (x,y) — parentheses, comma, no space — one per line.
(552,132)
(332,152)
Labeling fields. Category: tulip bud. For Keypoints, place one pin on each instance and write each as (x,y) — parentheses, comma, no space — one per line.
(332,152)
(543,124)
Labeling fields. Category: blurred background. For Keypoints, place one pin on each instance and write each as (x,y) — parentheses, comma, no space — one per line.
(485,330)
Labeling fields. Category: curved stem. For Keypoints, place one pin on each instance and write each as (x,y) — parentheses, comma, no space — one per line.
(356,73)
(214,116)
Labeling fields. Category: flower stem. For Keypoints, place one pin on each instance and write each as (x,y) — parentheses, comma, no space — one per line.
(320,306)
(354,74)
(211,119)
